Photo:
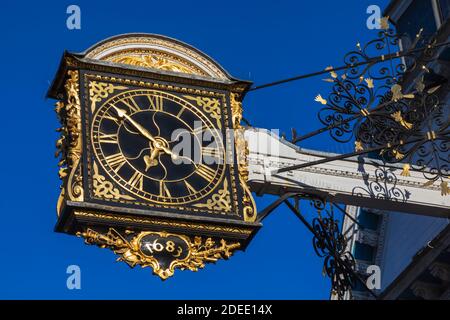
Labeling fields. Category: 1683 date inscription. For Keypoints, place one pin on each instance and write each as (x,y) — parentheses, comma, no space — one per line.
(165,248)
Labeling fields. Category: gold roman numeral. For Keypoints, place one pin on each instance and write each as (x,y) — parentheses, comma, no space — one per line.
(163,190)
(180,112)
(111,117)
(205,172)
(211,152)
(131,104)
(156,102)
(108,138)
(190,188)
(198,130)
(116,161)
(137,180)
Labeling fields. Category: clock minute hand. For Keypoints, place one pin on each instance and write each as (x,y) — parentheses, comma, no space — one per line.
(122,114)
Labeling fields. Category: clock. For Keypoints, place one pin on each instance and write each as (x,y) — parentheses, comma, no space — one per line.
(153,158)
(151,143)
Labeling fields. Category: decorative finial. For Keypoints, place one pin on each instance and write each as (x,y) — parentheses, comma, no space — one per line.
(369,82)
(333,74)
(397,116)
(405,172)
(397,93)
(384,23)
(319,99)
(358,146)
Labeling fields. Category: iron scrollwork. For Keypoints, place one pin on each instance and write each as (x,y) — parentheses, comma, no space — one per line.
(383,187)
(368,104)
(329,243)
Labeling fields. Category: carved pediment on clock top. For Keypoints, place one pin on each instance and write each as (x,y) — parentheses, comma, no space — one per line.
(156,52)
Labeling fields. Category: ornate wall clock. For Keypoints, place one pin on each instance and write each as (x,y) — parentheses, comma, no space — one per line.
(153,159)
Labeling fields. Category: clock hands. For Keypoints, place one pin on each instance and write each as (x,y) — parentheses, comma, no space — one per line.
(158,144)
(151,161)
(123,115)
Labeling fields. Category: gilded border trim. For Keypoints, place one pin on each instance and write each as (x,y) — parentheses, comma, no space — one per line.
(183,51)
(224,105)
(162,222)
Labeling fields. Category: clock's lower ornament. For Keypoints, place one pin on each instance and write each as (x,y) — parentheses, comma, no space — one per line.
(160,250)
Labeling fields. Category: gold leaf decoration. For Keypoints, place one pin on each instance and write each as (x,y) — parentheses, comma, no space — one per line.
(333,74)
(358,146)
(69,145)
(153,61)
(105,189)
(405,171)
(321,100)
(444,188)
(219,201)
(210,106)
(129,250)
(101,90)
(397,154)
(242,151)
(433,90)
(428,183)
(369,82)
(419,85)
(384,23)
(208,251)
(397,93)
(397,116)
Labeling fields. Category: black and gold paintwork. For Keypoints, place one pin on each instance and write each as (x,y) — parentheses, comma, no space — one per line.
(121,179)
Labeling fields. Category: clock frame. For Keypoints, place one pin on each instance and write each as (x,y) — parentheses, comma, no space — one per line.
(114,208)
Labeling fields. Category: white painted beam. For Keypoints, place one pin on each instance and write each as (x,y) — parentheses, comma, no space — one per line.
(354,181)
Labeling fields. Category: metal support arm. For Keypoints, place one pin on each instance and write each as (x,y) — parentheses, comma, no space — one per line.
(355,181)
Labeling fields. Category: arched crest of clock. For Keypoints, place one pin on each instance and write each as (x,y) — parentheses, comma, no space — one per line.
(153,161)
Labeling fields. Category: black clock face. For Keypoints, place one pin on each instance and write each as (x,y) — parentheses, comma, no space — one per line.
(158,146)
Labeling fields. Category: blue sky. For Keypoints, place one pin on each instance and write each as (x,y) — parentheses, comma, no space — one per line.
(260,41)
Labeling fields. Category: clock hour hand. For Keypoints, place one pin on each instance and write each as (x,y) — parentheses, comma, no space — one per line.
(151,161)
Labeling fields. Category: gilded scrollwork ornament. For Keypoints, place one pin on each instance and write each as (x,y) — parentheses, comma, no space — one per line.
(152,61)
(101,90)
(161,251)
(73,123)
(69,145)
(242,151)
(219,201)
(210,105)
(105,189)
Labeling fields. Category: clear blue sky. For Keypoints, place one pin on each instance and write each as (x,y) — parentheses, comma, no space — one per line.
(257,40)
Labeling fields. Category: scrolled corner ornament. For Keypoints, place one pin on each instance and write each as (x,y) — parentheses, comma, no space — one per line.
(100,90)
(106,189)
(220,201)
(210,105)
(162,251)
